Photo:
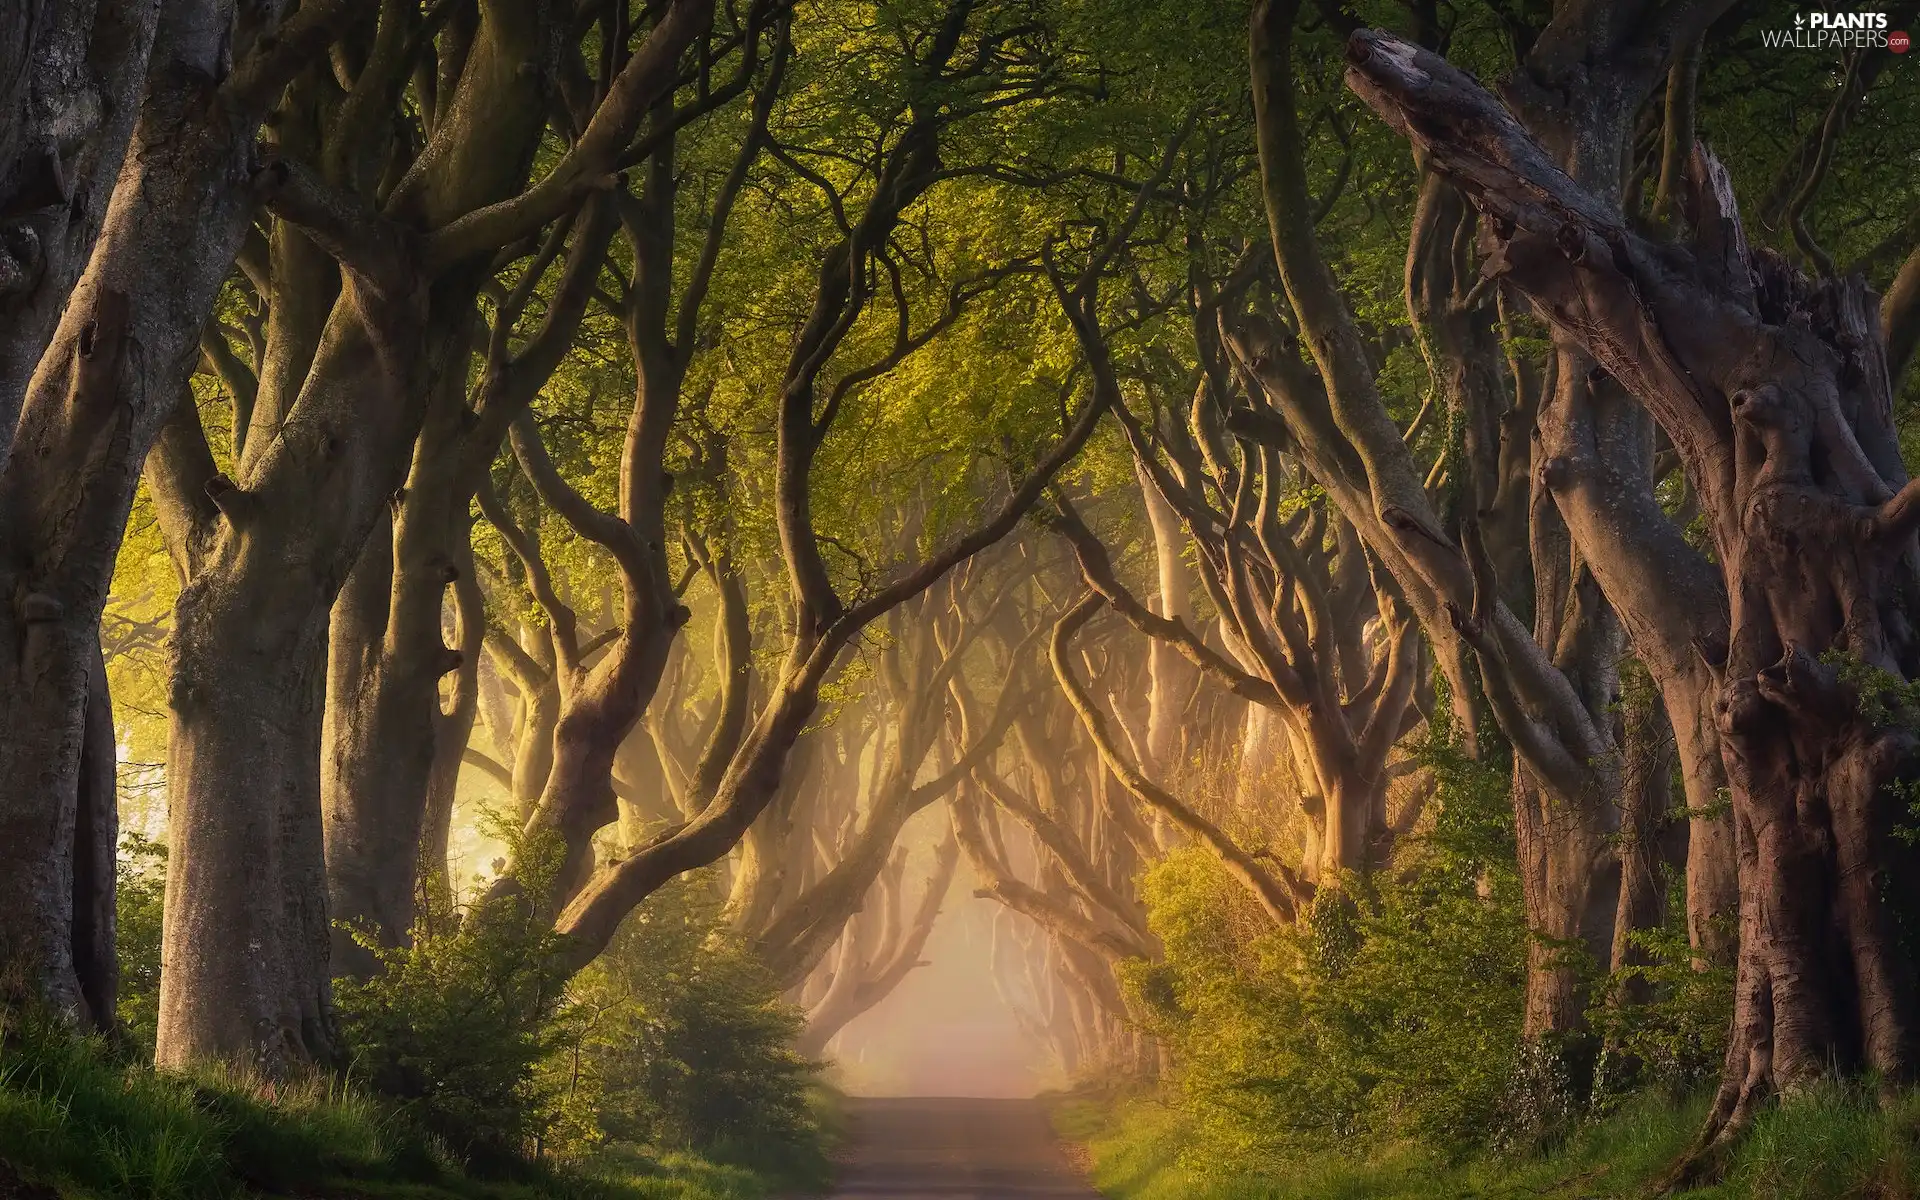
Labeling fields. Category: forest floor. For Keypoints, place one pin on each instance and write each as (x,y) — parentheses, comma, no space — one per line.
(1827,1146)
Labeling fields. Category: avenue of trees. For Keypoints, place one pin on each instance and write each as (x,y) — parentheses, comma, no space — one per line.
(1378,533)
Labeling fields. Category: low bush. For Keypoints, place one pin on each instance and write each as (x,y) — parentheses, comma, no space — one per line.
(1829,1143)
(455,1027)
(1391,1014)
(77,1119)
(666,1067)
(684,1043)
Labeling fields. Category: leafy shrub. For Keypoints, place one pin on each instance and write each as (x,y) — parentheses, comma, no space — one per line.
(1675,1041)
(1392,1013)
(78,1120)
(674,1040)
(685,1043)
(455,1026)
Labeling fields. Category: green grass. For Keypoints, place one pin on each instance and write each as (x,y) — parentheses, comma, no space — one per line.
(76,1123)
(1830,1144)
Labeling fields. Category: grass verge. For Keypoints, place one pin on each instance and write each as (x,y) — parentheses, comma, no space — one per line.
(1828,1144)
(77,1125)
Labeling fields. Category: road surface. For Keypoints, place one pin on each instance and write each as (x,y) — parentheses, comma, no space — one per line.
(914,1149)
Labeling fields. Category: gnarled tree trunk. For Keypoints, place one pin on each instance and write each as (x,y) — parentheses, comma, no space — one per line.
(96,401)
(1775,392)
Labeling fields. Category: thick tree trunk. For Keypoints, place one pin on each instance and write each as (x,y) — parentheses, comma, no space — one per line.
(245,948)
(1645,802)
(1568,861)
(387,658)
(96,402)
(306,499)
(394,750)
(452,731)
(1775,392)
(249,675)
(1333,416)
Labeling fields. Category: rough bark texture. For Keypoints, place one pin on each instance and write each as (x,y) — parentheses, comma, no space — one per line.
(95,403)
(72,74)
(339,448)
(340,403)
(1774,391)
(1549,705)
(96,844)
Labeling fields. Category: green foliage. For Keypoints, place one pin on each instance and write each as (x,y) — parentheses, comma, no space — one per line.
(1884,698)
(75,1120)
(675,1040)
(1391,1014)
(1829,1143)
(456,1024)
(688,1043)
(1385,1029)
(140,872)
(455,1027)
(1674,1039)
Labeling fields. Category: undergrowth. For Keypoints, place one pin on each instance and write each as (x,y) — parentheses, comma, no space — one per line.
(1828,1144)
(474,1069)
(75,1121)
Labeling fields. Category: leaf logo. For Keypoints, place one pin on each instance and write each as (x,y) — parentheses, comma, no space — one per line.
(1799,20)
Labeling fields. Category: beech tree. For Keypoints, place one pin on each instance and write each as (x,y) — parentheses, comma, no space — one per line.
(986,65)
(79,421)
(360,309)
(749,439)
(1776,392)
(926,657)
(879,946)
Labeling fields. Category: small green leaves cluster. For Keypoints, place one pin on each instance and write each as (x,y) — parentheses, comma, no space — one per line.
(1884,698)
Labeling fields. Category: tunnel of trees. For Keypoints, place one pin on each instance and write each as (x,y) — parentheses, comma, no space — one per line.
(1375,534)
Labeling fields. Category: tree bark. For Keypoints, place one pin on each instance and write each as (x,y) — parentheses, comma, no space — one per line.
(412,272)
(93,406)
(824,623)
(72,74)
(1774,390)
(96,845)
(1173,678)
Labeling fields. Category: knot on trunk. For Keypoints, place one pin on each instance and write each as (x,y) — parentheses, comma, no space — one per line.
(1404,521)
(1464,623)
(1572,241)
(234,503)
(1740,710)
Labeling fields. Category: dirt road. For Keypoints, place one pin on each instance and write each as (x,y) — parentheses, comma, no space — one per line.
(915,1149)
